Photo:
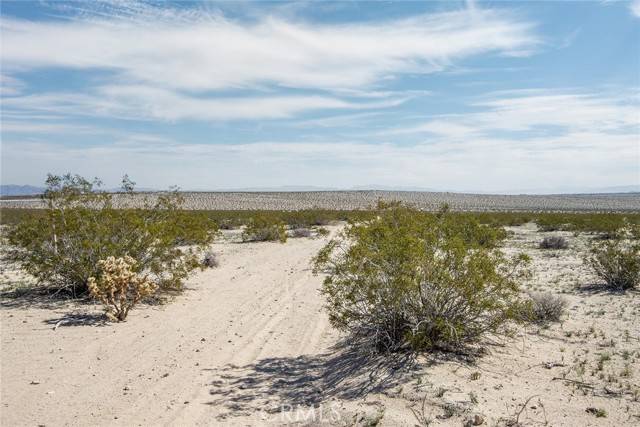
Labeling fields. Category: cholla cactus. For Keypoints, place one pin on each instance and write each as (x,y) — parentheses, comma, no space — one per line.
(119,287)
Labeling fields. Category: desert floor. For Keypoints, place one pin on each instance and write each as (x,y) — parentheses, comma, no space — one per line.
(248,343)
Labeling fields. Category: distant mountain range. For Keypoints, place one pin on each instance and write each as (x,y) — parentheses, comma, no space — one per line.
(28,190)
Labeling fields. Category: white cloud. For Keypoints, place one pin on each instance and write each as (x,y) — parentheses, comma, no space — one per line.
(197,50)
(10,86)
(538,110)
(635,8)
(144,102)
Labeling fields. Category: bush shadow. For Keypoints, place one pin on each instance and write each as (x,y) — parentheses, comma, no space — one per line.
(77,319)
(343,373)
(601,289)
(42,297)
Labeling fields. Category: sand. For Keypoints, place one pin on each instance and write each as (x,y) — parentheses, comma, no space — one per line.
(248,343)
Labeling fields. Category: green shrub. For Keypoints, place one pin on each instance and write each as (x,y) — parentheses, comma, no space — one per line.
(62,245)
(410,279)
(262,228)
(617,262)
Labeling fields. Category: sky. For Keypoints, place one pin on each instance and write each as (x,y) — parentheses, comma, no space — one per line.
(476,96)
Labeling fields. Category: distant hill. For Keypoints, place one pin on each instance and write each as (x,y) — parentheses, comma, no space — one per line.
(20,190)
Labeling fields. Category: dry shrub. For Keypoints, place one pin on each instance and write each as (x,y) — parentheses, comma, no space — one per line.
(546,308)
(617,262)
(210,260)
(119,287)
(554,242)
(301,232)
(406,279)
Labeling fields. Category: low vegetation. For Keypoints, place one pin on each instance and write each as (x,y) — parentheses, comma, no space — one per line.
(546,308)
(554,242)
(603,224)
(119,287)
(264,229)
(210,260)
(63,244)
(407,279)
(617,261)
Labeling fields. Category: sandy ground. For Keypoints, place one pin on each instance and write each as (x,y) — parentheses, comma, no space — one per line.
(248,343)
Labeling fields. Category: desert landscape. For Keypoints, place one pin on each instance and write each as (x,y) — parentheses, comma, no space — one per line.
(319,213)
(249,343)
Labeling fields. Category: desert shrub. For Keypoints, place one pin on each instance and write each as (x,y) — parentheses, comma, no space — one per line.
(617,262)
(321,231)
(409,280)
(263,228)
(301,232)
(545,308)
(554,242)
(119,287)
(210,260)
(80,226)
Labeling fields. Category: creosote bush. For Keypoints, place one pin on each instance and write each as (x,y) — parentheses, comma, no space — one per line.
(119,287)
(263,228)
(554,242)
(617,261)
(61,246)
(546,308)
(406,279)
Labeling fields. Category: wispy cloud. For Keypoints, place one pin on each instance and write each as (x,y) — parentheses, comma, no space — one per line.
(519,111)
(197,50)
(144,102)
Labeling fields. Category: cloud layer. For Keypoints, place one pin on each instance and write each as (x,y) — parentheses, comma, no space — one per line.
(209,52)
(169,64)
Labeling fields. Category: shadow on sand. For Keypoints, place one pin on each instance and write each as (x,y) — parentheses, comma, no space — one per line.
(601,289)
(77,319)
(42,297)
(344,373)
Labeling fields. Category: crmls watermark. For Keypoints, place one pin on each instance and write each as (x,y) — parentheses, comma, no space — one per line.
(286,413)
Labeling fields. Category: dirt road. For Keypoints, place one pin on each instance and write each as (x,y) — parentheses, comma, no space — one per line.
(158,367)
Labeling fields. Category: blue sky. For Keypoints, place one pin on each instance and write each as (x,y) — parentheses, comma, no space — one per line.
(491,96)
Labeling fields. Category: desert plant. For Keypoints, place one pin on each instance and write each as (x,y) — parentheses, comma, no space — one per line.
(119,287)
(546,308)
(617,262)
(263,228)
(301,232)
(554,242)
(210,260)
(80,226)
(406,279)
